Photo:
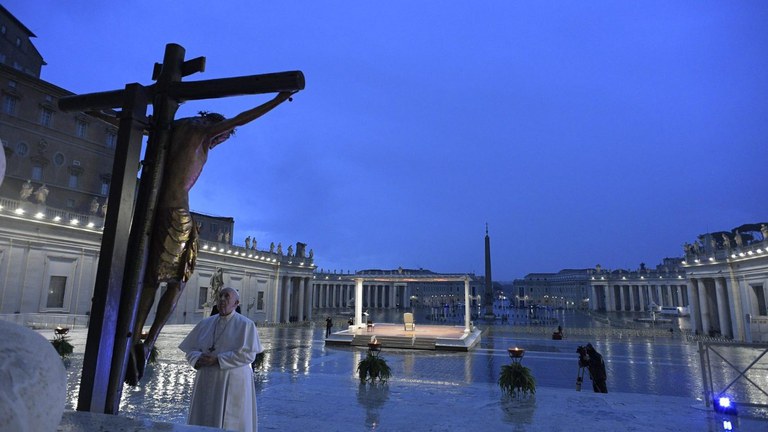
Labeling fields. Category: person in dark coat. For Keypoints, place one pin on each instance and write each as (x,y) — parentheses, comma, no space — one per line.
(597,372)
(328,326)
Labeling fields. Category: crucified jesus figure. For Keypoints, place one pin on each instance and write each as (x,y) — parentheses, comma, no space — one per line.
(173,243)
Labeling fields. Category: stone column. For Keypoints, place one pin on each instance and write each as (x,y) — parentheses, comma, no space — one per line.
(670,297)
(359,303)
(279,281)
(287,299)
(302,288)
(622,303)
(349,292)
(308,297)
(738,314)
(466,306)
(704,303)
(722,308)
(695,307)
(610,297)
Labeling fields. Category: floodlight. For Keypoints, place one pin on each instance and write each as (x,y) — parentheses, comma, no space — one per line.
(724,404)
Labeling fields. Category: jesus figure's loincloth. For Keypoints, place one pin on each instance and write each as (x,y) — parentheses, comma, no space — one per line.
(173,250)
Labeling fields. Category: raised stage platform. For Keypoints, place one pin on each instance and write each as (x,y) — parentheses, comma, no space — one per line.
(423,337)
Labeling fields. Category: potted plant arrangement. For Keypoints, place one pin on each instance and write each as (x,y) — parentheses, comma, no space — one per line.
(373,367)
(515,379)
(61,342)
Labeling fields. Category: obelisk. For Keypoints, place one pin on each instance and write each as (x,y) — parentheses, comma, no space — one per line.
(488,280)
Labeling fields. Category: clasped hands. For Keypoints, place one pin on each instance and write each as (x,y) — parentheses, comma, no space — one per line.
(206,360)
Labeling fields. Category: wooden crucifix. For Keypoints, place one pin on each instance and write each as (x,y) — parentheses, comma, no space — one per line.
(130,263)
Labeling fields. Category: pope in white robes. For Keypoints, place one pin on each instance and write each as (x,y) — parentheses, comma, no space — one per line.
(221,348)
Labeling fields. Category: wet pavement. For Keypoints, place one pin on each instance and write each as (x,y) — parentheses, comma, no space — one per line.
(654,384)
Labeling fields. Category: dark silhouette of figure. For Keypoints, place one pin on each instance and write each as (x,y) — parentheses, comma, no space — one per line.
(173,243)
(558,335)
(328,326)
(596,367)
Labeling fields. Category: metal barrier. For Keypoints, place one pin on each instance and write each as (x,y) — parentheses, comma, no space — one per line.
(723,354)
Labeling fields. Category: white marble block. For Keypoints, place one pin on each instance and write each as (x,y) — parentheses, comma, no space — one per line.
(33,381)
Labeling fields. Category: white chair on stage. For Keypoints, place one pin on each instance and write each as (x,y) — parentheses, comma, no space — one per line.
(408,321)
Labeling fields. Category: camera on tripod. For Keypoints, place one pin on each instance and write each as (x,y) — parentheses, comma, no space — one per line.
(583,363)
(583,356)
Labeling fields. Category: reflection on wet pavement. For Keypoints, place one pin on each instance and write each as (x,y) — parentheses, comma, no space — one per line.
(297,366)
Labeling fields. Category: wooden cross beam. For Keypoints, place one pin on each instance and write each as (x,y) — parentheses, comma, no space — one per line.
(124,250)
(193,90)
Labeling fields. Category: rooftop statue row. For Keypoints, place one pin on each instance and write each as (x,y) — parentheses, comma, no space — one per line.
(742,236)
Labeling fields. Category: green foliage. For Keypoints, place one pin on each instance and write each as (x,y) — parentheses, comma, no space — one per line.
(517,380)
(62,345)
(372,368)
(258,361)
(153,355)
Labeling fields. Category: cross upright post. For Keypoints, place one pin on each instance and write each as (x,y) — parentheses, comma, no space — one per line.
(106,303)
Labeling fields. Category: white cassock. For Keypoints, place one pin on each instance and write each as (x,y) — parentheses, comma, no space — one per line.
(224,396)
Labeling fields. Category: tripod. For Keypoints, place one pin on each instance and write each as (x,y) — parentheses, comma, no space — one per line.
(580,377)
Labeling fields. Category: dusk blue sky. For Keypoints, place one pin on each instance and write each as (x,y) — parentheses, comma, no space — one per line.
(582,132)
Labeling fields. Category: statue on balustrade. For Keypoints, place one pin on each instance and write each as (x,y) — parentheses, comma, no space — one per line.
(26,190)
(726,242)
(698,247)
(94,206)
(764,231)
(272,247)
(41,194)
(280,248)
(290,250)
(739,240)
(248,242)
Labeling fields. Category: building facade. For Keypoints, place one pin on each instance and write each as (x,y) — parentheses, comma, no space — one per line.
(66,157)
(600,289)
(727,275)
(398,289)
(48,270)
(640,290)
(567,289)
